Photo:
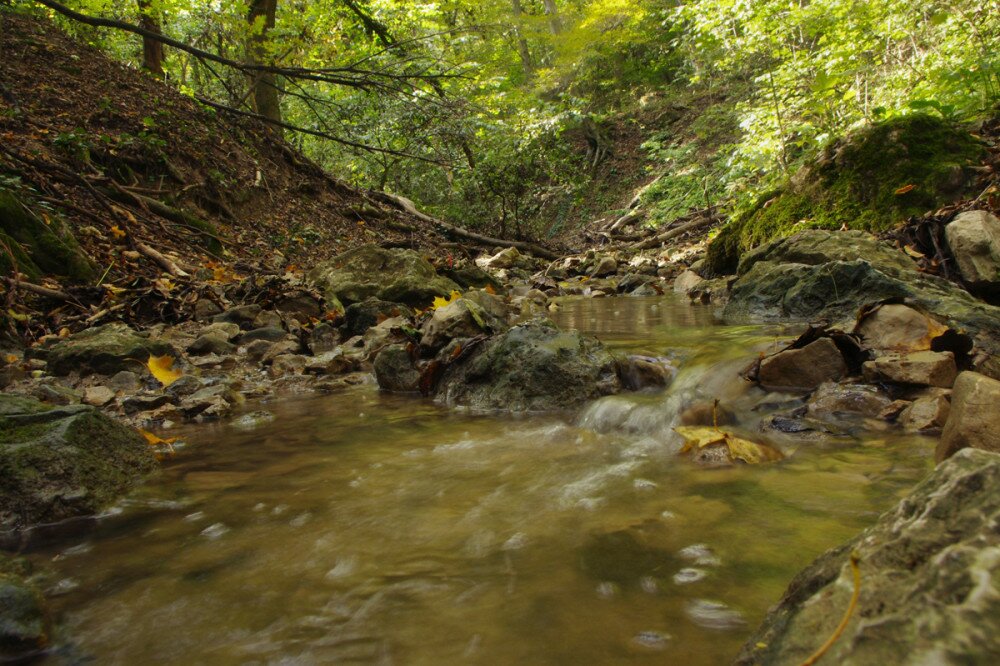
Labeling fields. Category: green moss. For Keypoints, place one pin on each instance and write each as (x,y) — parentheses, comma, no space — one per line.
(862,181)
(39,246)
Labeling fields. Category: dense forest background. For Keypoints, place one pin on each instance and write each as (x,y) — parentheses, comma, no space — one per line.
(528,118)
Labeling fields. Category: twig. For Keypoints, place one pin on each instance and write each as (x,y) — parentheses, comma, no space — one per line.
(818,654)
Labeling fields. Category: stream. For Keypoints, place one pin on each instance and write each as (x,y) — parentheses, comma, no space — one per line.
(362,527)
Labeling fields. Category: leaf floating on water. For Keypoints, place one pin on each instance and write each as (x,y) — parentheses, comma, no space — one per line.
(158,443)
(162,368)
(752,453)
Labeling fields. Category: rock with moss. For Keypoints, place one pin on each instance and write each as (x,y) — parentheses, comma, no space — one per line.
(532,367)
(105,349)
(24,617)
(930,582)
(395,275)
(871,179)
(38,247)
(810,276)
(64,462)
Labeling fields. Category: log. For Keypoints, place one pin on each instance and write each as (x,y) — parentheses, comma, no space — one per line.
(161,259)
(38,289)
(659,239)
(408,206)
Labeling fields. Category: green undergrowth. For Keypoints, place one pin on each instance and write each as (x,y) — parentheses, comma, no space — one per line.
(871,180)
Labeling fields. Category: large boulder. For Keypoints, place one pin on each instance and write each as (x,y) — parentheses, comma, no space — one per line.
(104,350)
(64,462)
(359,317)
(400,276)
(532,367)
(974,420)
(974,240)
(930,582)
(802,369)
(788,279)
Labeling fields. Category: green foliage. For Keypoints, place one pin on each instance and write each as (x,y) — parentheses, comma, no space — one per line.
(870,180)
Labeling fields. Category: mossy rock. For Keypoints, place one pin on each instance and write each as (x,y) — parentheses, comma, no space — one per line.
(24,618)
(39,246)
(871,179)
(64,462)
(104,349)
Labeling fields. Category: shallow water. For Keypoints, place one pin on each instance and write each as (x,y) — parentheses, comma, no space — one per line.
(368,528)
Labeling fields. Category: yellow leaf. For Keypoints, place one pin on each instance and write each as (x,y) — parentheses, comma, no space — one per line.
(117,232)
(162,368)
(63,332)
(441,301)
(490,290)
(904,189)
(155,440)
(752,453)
(11,358)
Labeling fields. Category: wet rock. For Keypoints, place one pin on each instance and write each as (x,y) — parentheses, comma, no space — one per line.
(476,313)
(63,462)
(814,247)
(267,319)
(929,571)
(897,327)
(647,289)
(323,338)
(924,368)
(126,380)
(183,386)
(287,364)
(839,288)
(471,276)
(974,240)
(687,281)
(211,343)
(209,403)
(103,350)
(802,369)
(359,317)
(98,396)
(395,371)
(57,394)
(144,403)
(928,412)
(831,399)
(633,281)
(894,409)
(24,618)
(242,315)
(395,275)
(707,413)
(253,420)
(604,266)
(640,372)
(269,333)
(329,363)
(532,367)
(974,420)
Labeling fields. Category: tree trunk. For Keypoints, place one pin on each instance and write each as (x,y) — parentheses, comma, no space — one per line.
(522,43)
(266,96)
(152,50)
(555,25)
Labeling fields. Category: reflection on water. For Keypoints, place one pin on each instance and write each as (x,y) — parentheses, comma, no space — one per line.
(367,528)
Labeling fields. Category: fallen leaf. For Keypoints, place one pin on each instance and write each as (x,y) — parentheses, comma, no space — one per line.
(752,453)
(165,445)
(904,189)
(490,290)
(117,232)
(162,368)
(440,301)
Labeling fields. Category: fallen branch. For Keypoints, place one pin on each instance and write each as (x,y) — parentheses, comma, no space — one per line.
(659,239)
(406,205)
(164,261)
(38,289)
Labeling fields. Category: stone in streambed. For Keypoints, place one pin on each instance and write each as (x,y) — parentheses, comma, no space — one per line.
(395,370)
(974,420)
(476,313)
(974,240)
(24,618)
(103,350)
(925,368)
(63,462)
(802,369)
(928,412)
(831,399)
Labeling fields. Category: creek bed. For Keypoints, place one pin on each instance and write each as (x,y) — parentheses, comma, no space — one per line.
(369,528)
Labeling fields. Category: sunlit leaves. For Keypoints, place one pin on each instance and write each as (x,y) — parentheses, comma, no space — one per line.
(162,368)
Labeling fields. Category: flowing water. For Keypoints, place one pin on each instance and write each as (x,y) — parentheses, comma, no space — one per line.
(369,528)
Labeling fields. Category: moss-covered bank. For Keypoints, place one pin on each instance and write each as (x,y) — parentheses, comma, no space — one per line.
(871,179)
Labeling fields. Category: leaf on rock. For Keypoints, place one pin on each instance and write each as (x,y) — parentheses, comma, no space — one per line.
(162,368)
(752,453)
(441,301)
